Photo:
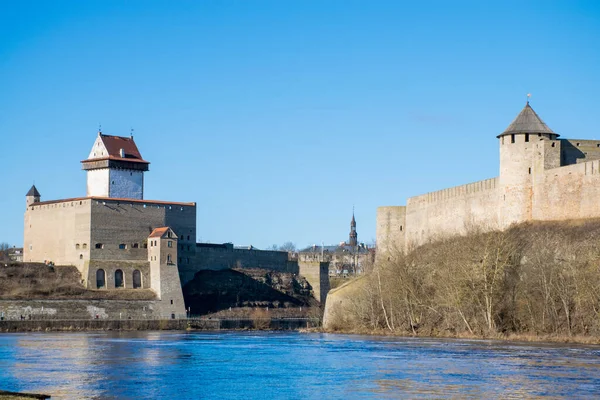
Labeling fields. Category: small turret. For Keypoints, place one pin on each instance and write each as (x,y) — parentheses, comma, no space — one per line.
(33,196)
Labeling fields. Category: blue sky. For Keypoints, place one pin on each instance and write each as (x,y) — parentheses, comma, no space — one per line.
(277,117)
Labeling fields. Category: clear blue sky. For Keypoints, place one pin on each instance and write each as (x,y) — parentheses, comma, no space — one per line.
(277,117)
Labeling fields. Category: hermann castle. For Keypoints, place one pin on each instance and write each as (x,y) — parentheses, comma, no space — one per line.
(117,239)
(541,177)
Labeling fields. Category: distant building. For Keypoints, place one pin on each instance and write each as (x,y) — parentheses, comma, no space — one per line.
(346,258)
(15,254)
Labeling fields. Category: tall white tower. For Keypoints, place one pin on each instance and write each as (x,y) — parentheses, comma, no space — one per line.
(115,168)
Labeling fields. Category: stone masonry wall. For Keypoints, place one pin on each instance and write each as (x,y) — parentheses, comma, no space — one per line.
(317,274)
(569,192)
(451,211)
(391,228)
(78,309)
(58,232)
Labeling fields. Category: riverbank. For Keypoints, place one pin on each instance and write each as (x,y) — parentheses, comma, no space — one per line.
(5,395)
(75,325)
(513,337)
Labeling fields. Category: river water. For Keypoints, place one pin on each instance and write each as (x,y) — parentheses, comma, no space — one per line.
(259,365)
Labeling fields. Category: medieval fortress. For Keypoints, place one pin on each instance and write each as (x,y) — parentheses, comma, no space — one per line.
(541,177)
(117,239)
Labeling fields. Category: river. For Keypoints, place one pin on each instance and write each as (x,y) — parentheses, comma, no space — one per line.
(259,365)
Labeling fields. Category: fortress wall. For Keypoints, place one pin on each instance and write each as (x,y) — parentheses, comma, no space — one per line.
(222,257)
(121,222)
(79,309)
(575,151)
(452,211)
(569,192)
(391,226)
(317,274)
(52,232)
(182,219)
(111,266)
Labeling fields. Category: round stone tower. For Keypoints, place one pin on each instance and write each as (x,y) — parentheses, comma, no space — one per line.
(516,164)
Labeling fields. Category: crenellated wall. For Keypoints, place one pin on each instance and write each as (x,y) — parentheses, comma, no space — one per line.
(451,211)
(541,178)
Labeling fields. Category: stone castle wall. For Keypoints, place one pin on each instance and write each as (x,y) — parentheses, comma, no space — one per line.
(224,256)
(58,232)
(449,212)
(541,178)
(317,274)
(79,309)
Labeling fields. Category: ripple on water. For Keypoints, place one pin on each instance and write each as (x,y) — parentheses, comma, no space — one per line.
(177,365)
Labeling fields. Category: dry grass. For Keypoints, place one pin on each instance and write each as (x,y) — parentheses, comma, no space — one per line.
(534,281)
(39,281)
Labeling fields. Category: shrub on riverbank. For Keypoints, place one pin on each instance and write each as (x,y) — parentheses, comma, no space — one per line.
(533,279)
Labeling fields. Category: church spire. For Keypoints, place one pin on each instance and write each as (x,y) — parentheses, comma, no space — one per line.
(353,234)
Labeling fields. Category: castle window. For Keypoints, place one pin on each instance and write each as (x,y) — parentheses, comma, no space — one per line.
(400,228)
(188,237)
(119,282)
(170,243)
(99,246)
(135,246)
(171,301)
(122,246)
(578,144)
(77,246)
(188,248)
(512,138)
(100,279)
(555,144)
(137,279)
(145,245)
(529,171)
(81,256)
(169,234)
(527,137)
(84,246)
(169,260)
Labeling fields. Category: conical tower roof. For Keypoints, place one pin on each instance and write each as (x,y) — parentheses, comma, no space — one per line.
(527,122)
(33,192)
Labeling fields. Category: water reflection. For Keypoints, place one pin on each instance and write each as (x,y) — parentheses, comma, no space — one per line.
(176,365)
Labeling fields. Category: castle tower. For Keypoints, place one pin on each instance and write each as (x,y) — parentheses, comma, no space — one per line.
(353,235)
(516,165)
(33,196)
(115,168)
(164,274)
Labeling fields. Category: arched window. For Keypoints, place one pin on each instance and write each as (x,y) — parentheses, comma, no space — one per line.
(100,279)
(119,283)
(84,245)
(137,279)
(81,256)
(77,246)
